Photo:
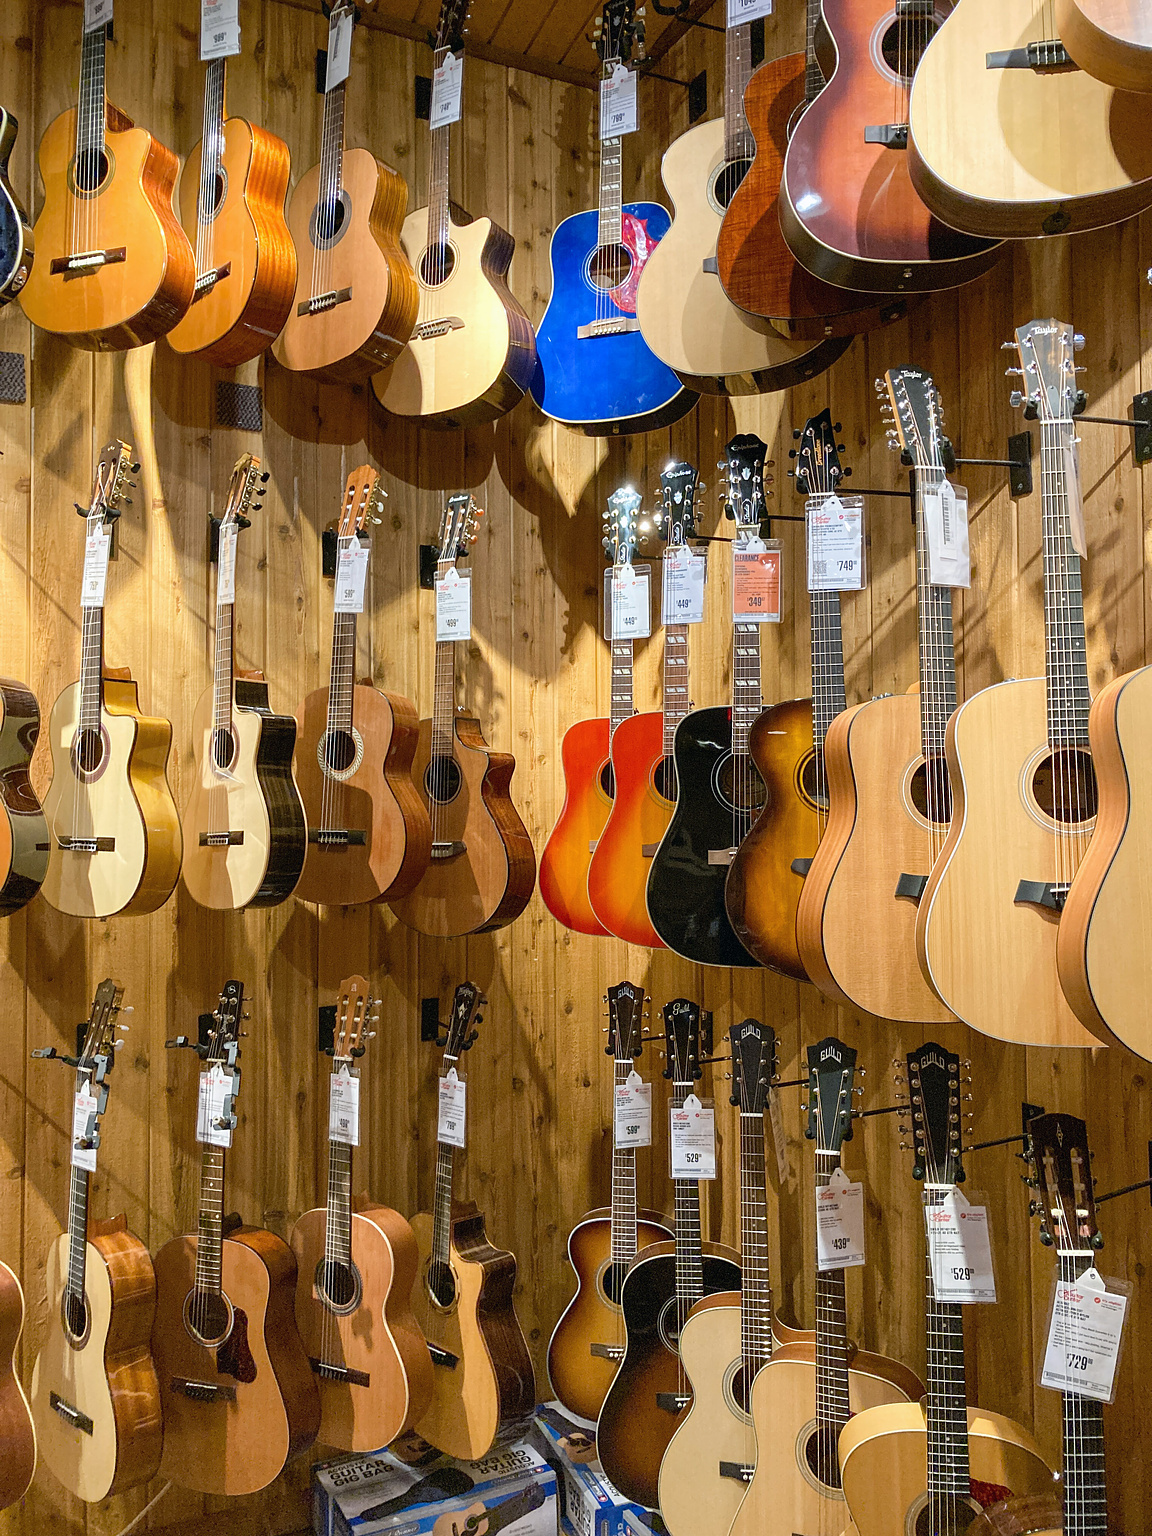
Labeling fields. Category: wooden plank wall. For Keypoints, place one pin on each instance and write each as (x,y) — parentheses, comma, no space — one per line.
(540,1085)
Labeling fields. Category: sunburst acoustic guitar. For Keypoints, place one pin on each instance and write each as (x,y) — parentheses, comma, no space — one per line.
(16,241)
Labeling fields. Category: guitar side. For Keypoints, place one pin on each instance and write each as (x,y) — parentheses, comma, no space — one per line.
(17,246)
(618,871)
(17,1430)
(23,829)
(567,855)
(1111,39)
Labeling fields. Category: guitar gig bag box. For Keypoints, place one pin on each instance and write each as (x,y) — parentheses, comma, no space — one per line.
(590,1504)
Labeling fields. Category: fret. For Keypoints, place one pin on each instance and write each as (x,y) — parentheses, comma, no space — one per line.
(946,1409)
(91,668)
(675,690)
(689,1260)
(611,217)
(77,1231)
(738,141)
(1084,1481)
(623,1182)
(813,74)
(341,677)
(210,1225)
(442,1206)
(331,179)
(438,206)
(621,697)
(1066,661)
(937,648)
(338,1213)
(91,112)
(222,670)
(828,695)
(756,1285)
(444,685)
(833,1409)
(211,161)
(747,701)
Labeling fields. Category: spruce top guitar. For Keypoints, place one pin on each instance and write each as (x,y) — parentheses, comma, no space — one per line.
(472,352)
(16,243)
(95,1399)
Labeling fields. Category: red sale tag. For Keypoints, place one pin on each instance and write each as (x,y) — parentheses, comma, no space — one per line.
(756,585)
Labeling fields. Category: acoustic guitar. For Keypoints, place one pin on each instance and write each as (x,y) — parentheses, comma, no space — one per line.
(807,1392)
(989,149)
(933,1466)
(483,1383)
(1023,783)
(239,1397)
(786,743)
(586,750)
(889,800)
(17,1428)
(650,1392)
(115,269)
(594,370)
(483,867)
(356,298)
(1111,39)
(356,1264)
(95,1398)
(718,789)
(232,192)
(368,831)
(16,242)
(472,352)
(23,829)
(112,822)
(587,1344)
(685,316)
(243,825)
(642,769)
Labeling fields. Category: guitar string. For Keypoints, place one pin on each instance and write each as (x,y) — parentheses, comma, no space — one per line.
(91,690)
(1084,1495)
(948,1464)
(833,1407)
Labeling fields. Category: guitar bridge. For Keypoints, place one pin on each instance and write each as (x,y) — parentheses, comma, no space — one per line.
(323,302)
(337,837)
(912,886)
(618,325)
(428,330)
(606,1351)
(330,1372)
(208,280)
(69,1413)
(85,262)
(1049,53)
(443,1357)
(203,1391)
(1041,893)
(221,839)
(740,1471)
(893,135)
(448,850)
(87,844)
(673,1402)
(801,867)
(721,855)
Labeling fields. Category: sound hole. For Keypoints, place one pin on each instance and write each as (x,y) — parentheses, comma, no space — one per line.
(932,796)
(223,748)
(207,1316)
(814,781)
(339,750)
(75,1316)
(338,1284)
(741,1390)
(437,264)
(89,751)
(610,266)
(442,780)
(728,178)
(441,1283)
(90,170)
(903,45)
(1065,785)
(739,785)
(664,779)
(820,1454)
(608,781)
(328,219)
(945,1512)
(612,1280)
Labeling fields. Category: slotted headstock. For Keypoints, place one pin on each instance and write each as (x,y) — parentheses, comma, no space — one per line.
(245,491)
(1063,1167)
(818,470)
(682,1041)
(451,28)
(459,524)
(619,539)
(744,493)
(753,1065)
(626,1006)
(223,1045)
(98,1052)
(356,1011)
(363,502)
(676,516)
(931,1099)
(110,479)
(614,32)
(1046,350)
(831,1074)
(913,408)
(463,1021)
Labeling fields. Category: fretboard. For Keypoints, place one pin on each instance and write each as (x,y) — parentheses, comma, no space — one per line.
(1085,1488)
(338,1220)
(947,1405)
(621,701)
(438,228)
(331,161)
(746,697)
(832,1405)
(210,1227)
(738,141)
(937,649)
(1066,661)
(222,669)
(611,192)
(689,1262)
(91,667)
(756,1286)
(623,1182)
(675,681)
(828,696)
(813,75)
(442,1205)
(77,1230)
(91,109)
(211,160)
(340,680)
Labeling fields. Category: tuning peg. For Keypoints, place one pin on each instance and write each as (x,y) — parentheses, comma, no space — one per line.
(1077,342)
(1015,399)
(134,468)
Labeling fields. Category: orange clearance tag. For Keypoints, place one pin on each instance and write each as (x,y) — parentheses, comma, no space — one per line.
(756,585)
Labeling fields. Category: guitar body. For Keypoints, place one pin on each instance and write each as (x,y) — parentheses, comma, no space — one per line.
(633,1431)
(255,796)
(757,269)
(488,884)
(129,801)
(685,890)
(1111,39)
(17,1430)
(482,1372)
(571,845)
(244,311)
(763,890)
(124,303)
(884,1466)
(856,938)
(685,316)
(374,1333)
(476,368)
(974,151)
(991,960)
(612,384)
(641,810)
(349,341)
(211,1444)
(110,1377)
(848,208)
(579,1378)
(16,243)
(23,830)
(374,794)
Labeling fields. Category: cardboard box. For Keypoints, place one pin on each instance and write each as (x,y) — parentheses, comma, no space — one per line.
(590,1504)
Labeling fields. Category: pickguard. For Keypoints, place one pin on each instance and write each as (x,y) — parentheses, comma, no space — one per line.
(234,1358)
(987,1494)
(639,244)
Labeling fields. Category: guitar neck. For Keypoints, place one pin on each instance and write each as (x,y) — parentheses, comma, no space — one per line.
(332,155)
(611,221)
(828,695)
(223,669)
(813,74)
(338,1211)
(91,668)
(833,1409)
(444,699)
(340,680)
(1085,1490)
(438,215)
(937,649)
(1066,661)
(756,1285)
(210,1226)
(947,1405)
(77,1231)
(675,685)
(92,106)
(747,701)
(689,1258)
(211,165)
(623,1183)
(738,141)
(621,699)
(442,1207)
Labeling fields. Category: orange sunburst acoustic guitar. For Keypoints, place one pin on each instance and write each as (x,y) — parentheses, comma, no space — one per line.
(113,267)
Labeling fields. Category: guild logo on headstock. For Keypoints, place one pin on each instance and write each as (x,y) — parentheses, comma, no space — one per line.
(934,1059)
(830,1051)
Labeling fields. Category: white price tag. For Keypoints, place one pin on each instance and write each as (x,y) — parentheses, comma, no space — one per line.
(618,103)
(685,572)
(97,13)
(633,1120)
(351,575)
(836,544)
(219,29)
(226,564)
(740,11)
(447,91)
(339,49)
(960,1250)
(1075,499)
(454,606)
(83,1125)
(344,1106)
(452,1117)
(946,510)
(839,1223)
(1084,1334)
(213,1106)
(96,549)
(627,603)
(693,1140)
(756,581)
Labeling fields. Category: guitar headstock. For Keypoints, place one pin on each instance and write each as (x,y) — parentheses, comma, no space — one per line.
(1063,1167)
(98,1053)
(931,1099)
(459,524)
(451,28)
(363,502)
(614,32)
(223,1048)
(913,407)
(682,1040)
(744,496)
(356,1010)
(753,1065)
(626,1007)
(1046,349)
(831,1074)
(619,539)
(818,470)
(463,1021)
(245,491)
(676,517)
(110,479)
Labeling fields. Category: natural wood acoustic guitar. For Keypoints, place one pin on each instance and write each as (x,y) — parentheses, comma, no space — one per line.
(806,1392)
(23,829)
(933,1466)
(587,1344)
(483,1383)
(115,269)
(472,352)
(650,1392)
(243,825)
(17,1428)
(1111,39)
(232,192)
(16,242)
(586,750)
(483,867)
(356,298)
(990,148)
(95,1398)
(1023,782)
(369,836)
(888,793)
(112,822)
(356,1263)
(239,1396)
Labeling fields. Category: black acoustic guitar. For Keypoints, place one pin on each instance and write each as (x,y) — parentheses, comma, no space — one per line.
(15,234)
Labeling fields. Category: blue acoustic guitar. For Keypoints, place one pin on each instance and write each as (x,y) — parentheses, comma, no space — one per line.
(594,370)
